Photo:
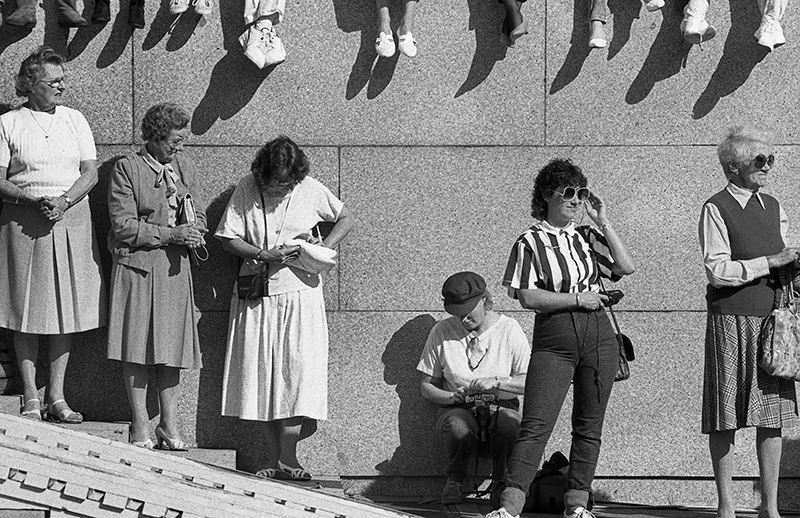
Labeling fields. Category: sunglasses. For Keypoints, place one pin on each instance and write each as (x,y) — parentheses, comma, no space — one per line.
(760,161)
(571,192)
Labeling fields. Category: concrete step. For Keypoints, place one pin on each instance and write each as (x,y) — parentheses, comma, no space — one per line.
(116,431)
(10,404)
(214,457)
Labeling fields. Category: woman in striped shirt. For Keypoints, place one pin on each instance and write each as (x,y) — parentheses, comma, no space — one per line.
(554,269)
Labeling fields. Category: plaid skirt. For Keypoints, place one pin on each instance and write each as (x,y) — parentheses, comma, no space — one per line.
(736,392)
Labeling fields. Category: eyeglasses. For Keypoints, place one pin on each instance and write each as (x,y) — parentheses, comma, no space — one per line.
(53,82)
(285,183)
(173,144)
(760,161)
(570,192)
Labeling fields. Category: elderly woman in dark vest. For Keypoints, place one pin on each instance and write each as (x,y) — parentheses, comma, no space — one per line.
(742,234)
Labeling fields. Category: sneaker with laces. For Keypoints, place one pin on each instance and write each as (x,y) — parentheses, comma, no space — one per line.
(452,493)
(203,7)
(178,6)
(384,45)
(262,45)
(770,34)
(579,512)
(501,513)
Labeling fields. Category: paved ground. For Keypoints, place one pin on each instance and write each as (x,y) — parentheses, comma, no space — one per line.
(475,508)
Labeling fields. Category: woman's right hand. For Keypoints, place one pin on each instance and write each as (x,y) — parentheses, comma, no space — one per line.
(591,300)
(186,234)
(280,254)
(784,257)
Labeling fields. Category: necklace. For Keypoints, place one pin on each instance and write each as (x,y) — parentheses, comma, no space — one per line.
(45,131)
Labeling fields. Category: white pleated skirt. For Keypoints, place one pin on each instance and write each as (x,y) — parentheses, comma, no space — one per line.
(276,362)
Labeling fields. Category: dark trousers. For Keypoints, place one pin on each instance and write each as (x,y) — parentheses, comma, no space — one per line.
(457,429)
(578,347)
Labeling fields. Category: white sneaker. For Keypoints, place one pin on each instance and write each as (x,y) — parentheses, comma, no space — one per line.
(203,7)
(407,44)
(178,6)
(654,5)
(579,512)
(384,45)
(770,34)
(697,30)
(262,46)
(501,513)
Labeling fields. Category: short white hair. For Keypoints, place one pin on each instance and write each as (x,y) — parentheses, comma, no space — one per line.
(740,146)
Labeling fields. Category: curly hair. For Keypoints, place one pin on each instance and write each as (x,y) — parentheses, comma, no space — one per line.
(32,69)
(160,120)
(740,146)
(559,172)
(280,158)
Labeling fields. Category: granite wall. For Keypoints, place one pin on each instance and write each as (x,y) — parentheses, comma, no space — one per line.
(435,156)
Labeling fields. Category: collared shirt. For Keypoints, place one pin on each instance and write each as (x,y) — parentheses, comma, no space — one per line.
(164,173)
(445,354)
(721,270)
(562,260)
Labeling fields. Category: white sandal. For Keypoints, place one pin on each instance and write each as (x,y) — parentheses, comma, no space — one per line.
(384,45)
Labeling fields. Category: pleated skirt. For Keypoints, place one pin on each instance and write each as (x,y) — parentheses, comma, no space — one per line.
(51,281)
(153,319)
(276,362)
(736,392)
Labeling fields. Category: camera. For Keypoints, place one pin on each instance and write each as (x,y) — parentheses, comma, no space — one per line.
(485,405)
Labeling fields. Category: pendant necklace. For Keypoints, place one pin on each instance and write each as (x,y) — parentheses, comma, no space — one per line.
(45,131)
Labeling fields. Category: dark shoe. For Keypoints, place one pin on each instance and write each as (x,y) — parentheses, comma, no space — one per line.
(68,15)
(136,14)
(452,493)
(24,15)
(519,31)
(102,11)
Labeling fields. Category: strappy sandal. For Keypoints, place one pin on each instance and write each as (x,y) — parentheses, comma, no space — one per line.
(294,473)
(32,409)
(66,415)
(267,473)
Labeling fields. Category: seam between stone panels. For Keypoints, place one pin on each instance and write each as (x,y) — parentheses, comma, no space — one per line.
(339,269)
(133,89)
(544,86)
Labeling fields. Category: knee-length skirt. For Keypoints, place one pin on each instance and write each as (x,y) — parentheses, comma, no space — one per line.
(736,392)
(276,362)
(52,282)
(153,319)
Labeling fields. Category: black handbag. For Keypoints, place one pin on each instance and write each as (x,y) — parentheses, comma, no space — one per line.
(625,346)
(249,287)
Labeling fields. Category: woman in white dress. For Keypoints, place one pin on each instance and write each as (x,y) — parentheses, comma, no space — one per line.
(52,282)
(276,362)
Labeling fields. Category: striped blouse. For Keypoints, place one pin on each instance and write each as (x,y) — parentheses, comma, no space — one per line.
(562,260)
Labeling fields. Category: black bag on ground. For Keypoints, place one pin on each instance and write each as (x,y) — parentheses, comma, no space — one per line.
(546,494)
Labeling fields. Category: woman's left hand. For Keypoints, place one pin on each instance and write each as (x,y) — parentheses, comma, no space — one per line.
(596,209)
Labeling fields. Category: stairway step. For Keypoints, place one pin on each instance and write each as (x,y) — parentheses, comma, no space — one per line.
(215,457)
(116,431)
(10,404)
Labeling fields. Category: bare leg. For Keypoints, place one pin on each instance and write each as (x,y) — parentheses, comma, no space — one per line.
(407,23)
(168,381)
(768,447)
(59,348)
(273,436)
(135,377)
(383,16)
(721,445)
(290,435)
(26,347)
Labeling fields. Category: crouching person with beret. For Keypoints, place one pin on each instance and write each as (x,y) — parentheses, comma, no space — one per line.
(473,365)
